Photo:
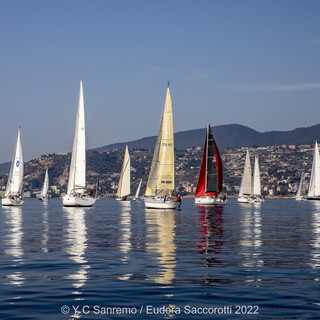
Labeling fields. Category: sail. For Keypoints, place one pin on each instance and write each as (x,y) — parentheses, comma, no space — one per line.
(314,187)
(256,188)
(246,187)
(301,189)
(124,182)
(77,174)
(161,177)
(15,179)
(211,175)
(45,186)
(138,189)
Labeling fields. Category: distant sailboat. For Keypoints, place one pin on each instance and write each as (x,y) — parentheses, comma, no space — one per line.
(301,192)
(77,195)
(45,187)
(13,194)
(250,188)
(138,191)
(160,187)
(314,186)
(124,182)
(209,186)
(246,182)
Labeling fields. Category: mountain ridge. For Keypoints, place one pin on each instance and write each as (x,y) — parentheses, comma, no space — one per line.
(228,136)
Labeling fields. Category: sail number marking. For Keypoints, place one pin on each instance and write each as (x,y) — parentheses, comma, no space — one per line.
(18,163)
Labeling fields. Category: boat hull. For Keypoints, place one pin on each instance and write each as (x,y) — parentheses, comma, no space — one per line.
(314,198)
(161,203)
(12,202)
(209,200)
(121,198)
(76,201)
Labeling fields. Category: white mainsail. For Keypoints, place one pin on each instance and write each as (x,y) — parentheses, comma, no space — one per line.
(314,187)
(138,190)
(124,182)
(246,182)
(256,187)
(161,177)
(45,187)
(77,174)
(15,179)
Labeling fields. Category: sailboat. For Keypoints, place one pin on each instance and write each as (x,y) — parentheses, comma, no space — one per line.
(250,188)
(13,193)
(301,192)
(77,194)
(160,187)
(256,186)
(124,182)
(209,186)
(138,191)
(45,187)
(246,182)
(314,186)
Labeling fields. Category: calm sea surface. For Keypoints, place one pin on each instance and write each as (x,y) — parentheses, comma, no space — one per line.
(120,261)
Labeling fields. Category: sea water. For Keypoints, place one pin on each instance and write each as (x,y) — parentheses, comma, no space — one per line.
(118,260)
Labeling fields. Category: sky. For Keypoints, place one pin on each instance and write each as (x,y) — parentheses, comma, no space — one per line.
(255,63)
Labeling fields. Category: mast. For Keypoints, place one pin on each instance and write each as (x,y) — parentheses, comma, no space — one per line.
(246,184)
(77,174)
(161,177)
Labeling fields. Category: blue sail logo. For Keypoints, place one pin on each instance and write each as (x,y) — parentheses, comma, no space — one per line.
(18,163)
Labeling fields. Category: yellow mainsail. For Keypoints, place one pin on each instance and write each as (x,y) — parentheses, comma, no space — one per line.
(161,177)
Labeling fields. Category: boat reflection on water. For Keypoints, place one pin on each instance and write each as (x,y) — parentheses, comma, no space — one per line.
(77,243)
(250,237)
(315,242)
(13,243)
(125,235)
(210,222)
(161,243)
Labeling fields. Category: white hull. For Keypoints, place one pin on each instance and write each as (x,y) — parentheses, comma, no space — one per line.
(301,198)
(250,200)
(122,198)
(161,203)
(76,201)
(209,200)
(43,199)
(12,202)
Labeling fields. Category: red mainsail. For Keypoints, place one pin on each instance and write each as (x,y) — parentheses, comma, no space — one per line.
(211,173)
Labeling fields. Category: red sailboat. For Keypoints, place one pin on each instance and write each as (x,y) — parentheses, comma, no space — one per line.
(209,186)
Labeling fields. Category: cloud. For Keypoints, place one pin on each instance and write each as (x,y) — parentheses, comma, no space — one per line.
(281,87)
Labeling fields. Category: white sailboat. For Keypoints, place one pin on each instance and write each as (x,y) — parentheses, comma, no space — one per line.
(301,192)
(13,194)
(250,188)
(246,182)
(314,186)
(256,187)
(124,182)
(45,187)
(160,187)
(77,195)
(138,191)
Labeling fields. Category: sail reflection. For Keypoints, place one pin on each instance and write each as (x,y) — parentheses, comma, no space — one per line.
(125,234)
(315,241)
(210,221)
(77,244)
(45,238)
(160,241)
(14,242)
(251,237)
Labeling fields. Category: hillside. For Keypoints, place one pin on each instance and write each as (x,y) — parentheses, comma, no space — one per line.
(229,136)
